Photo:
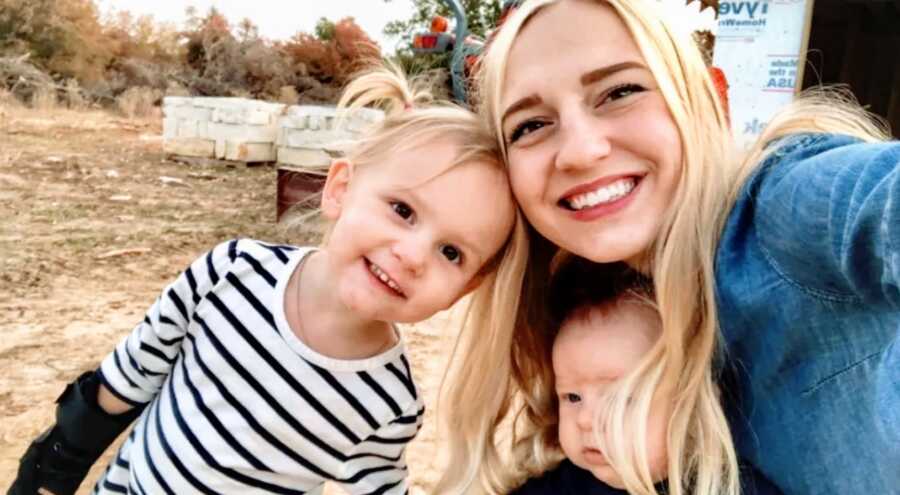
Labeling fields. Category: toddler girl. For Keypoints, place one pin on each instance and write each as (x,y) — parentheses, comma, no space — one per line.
(271,368)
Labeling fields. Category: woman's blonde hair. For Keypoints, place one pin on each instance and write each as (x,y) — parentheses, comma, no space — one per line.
(702,457)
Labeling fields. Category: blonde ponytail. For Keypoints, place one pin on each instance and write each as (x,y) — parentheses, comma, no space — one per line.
(385,87)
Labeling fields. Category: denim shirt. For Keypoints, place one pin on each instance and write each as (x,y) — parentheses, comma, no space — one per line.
(808,293)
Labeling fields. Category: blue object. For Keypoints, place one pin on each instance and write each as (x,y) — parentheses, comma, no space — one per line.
(807,275)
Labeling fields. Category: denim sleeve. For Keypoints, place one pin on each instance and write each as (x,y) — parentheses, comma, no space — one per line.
(828,218)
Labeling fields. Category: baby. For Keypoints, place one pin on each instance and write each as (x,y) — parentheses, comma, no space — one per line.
(604,332)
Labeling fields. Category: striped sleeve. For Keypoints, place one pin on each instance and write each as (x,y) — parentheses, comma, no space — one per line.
(136,369)
(380,465)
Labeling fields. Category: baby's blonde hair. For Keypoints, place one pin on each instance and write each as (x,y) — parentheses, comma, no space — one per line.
(702,458)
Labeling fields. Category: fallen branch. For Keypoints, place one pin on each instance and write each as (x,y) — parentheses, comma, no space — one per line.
(122,252)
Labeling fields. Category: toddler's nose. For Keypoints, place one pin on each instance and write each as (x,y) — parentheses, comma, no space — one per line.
(412,254)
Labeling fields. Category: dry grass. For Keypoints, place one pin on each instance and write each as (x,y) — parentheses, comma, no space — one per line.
(44,99)
(74,98)
(77,186)
(8,100)
(137,102)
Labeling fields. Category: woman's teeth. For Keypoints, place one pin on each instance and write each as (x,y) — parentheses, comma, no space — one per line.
(605,194)
(384,277)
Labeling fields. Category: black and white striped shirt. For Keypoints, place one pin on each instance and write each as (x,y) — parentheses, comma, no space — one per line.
(238,404)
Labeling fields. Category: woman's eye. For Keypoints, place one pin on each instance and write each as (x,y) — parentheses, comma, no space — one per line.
(452,254)
(622,91)
(524,129)
(572,398)
(402,210)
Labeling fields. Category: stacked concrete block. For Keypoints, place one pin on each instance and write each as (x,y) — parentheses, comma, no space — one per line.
(309,137)
(235,129)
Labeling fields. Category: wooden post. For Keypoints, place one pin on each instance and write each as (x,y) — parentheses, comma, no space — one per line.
(804,45)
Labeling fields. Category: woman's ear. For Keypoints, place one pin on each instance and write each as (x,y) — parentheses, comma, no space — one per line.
(335,189)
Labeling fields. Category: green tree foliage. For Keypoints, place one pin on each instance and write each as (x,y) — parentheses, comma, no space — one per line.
(324,30)
(481,17)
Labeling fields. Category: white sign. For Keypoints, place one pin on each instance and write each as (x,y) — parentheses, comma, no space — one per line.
(758,46)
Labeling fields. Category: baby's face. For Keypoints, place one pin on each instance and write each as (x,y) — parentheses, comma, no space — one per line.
(589,354)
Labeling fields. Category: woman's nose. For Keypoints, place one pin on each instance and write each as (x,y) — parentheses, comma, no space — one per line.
(583,140)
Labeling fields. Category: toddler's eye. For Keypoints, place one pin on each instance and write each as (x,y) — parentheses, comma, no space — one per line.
(402,210)
(571,397)
(451,253)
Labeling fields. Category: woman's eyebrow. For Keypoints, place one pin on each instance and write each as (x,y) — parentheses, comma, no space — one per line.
(588,78)
(523,104)
(604,72)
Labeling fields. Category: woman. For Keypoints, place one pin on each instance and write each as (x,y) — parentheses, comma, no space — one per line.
(781,267)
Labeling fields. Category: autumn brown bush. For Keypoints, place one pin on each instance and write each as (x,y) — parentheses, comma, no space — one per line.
(332,61)
(67,45)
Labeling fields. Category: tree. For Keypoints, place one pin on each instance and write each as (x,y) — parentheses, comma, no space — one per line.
(63,36)
(481,16)
(247,30)
(324,29)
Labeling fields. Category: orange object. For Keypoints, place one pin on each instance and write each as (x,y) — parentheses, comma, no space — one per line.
(425,41)
(721,84)
(439,24)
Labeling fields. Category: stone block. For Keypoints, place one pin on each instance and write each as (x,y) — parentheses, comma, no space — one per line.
(294,138)
(314,159)
(259,117)
(170,127)
(248,133)
(204,148)
(249,152)
(293,122)
(227,115)
(193,113)
(187,129)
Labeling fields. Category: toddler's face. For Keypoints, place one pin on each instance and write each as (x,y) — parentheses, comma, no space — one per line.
(592,351)
(411,234)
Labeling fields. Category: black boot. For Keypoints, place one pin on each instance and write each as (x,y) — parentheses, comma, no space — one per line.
(60,458)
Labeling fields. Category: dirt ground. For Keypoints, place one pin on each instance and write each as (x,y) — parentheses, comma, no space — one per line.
(94,221)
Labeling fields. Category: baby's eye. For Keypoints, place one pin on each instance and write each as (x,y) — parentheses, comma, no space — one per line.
(451,253)
(403,210)
(524,129)
(571,397)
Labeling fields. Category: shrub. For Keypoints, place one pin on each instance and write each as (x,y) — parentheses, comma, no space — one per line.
(44,98)
(138,101)
(74,98)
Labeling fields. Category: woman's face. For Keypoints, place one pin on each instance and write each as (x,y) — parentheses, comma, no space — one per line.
(594,155)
